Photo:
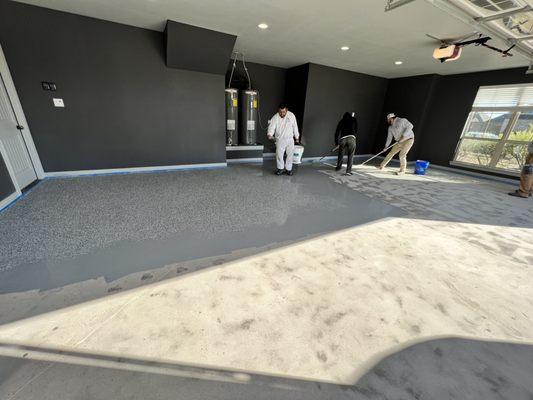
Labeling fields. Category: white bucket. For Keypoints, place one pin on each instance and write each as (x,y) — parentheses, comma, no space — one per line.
(297,155)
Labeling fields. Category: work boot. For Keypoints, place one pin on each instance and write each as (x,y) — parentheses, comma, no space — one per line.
(518,193)
(279,172)
(289,173)
(400,173)
(338,169)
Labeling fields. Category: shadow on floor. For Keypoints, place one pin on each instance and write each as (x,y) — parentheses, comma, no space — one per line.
(437,369)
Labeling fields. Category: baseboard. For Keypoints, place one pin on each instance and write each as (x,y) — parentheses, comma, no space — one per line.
(245,147)
(134,170)
(244,160)
(8,201)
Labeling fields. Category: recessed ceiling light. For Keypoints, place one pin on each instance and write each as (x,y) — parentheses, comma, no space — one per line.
(398,62)
(262,26)
(345,48)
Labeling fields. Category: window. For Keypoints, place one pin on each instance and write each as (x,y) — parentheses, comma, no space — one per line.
(498,129)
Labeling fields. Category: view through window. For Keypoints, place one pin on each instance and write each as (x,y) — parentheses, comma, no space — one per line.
(498,128)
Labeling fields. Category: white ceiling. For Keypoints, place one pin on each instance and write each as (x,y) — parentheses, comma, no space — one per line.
(312,31)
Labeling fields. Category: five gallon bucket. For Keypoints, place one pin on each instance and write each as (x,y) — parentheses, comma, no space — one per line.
(421,166)
(297,155)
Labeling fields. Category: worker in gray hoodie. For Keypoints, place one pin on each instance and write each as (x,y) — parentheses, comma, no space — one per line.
(402,131)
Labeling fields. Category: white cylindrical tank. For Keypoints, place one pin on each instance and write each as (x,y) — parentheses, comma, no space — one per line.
(249,117)
(232,117)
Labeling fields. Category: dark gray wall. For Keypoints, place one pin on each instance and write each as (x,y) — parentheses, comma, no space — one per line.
(296,91)
(330,93)
(197,49)
(124,107)
(408,98)
(6,185)
(270,82)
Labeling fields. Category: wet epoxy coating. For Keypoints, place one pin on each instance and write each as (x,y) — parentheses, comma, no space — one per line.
(358,313)
(71,230)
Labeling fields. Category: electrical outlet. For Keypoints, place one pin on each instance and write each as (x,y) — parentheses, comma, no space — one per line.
(59,103)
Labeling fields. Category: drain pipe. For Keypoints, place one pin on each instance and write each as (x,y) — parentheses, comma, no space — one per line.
(479,25)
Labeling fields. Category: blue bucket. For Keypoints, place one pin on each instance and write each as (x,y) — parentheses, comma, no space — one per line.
(421,166)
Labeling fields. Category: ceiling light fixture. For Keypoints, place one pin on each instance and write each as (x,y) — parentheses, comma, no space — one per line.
(398,62)
(345,48)
(262,26)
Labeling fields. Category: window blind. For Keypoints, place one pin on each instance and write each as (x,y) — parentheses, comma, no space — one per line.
(507,96)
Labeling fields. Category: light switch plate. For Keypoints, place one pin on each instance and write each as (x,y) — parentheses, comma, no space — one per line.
(59,103)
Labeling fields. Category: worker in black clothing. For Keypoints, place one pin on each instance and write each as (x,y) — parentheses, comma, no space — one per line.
(345,139)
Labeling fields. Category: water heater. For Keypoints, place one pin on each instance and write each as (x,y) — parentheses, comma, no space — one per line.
(249,117)
(232,117)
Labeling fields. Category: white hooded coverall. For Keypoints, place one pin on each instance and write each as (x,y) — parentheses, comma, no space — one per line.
(284,130)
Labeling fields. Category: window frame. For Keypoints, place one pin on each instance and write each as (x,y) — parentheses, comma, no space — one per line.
(516,111)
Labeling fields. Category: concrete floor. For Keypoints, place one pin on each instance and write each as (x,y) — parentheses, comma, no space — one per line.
(430,299)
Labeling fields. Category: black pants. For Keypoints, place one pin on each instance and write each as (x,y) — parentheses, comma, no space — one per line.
(346,147)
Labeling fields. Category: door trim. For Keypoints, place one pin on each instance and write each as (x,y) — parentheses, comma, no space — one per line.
(21,118)
(15,195)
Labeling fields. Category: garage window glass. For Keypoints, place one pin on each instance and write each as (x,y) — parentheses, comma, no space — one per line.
(498,128)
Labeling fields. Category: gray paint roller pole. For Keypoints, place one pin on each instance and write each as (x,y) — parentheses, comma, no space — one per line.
(331,151)
(381,152)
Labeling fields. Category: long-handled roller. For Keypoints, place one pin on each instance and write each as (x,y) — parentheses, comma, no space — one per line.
(331,151)
(381,152)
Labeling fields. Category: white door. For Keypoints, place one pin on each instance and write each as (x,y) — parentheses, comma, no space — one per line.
(11,138)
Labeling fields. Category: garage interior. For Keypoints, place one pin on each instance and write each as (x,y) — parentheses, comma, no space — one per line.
(148,250)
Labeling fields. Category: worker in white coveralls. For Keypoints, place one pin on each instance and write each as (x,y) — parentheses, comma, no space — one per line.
(284,129)
(402,131)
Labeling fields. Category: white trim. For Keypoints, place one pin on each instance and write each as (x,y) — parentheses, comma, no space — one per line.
(269,156)
(8,200)
(486,169)
(3,153)
(503,109)
(239,148)
(244,160)
(309,159)
(133,170)
(19,114)
(505,86)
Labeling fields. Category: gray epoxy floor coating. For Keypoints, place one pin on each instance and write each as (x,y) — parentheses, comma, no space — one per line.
(71,230)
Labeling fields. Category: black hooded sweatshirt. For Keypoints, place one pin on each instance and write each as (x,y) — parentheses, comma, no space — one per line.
(347,126)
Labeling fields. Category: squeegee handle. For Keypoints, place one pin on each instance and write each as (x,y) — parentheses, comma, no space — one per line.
(381,152)
(332,150)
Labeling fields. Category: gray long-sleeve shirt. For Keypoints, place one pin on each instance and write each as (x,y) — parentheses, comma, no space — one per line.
(401,129)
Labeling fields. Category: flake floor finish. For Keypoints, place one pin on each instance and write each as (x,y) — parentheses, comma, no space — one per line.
(430,300)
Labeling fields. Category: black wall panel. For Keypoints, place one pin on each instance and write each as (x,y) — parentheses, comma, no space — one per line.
(330,93)
(197,49)
(408,98)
